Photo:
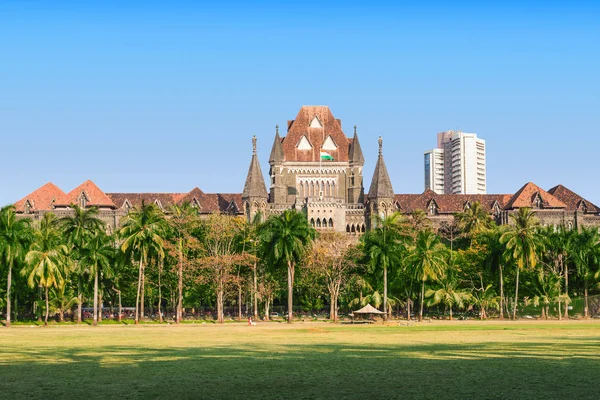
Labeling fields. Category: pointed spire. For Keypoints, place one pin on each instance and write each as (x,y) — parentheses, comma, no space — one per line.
(356,154)
(381,186)
(255,183)
(277,150)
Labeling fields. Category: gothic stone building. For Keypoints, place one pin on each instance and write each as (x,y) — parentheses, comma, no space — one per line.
(316,168)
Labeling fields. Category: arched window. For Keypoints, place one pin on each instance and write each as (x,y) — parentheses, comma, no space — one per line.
(327,190)
(330,223)
(333,194)
(312,222)
(362,228)
(312,189)
(318,222)
(347,228)
(353,229)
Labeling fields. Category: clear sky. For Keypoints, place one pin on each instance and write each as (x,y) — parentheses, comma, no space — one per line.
(165,96)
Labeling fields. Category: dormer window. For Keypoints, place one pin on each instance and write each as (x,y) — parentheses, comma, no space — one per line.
(538,202)
(83,200)
(27,207)
(433,208)
(316,123)
(304,144)
(329,144)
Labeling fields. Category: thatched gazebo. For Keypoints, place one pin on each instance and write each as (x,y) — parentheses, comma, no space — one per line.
(367,310)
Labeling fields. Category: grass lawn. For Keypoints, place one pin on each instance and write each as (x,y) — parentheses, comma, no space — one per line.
(439,360)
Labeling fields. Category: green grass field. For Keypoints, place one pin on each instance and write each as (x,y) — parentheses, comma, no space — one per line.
(469,360)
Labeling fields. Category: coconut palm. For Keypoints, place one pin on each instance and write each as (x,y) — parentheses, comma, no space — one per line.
(95,256)
(62,299)
(494,261)
(183,220)
(446,291)
(15,237)
(143,231)
(558,245)
(46,259)
(383,246)
(586,254)
(284,239)
(426,260)
(474,220)
(523,243)
(78,228)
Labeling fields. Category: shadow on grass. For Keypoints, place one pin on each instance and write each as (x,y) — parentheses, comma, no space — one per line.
(486,371)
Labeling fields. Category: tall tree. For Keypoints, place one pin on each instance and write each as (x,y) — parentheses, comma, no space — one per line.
(383,246)
(523,243)
(558,244)
(143,231)
(427,260)
(221,253)
(587,259)
(15,237)
(285,239)
(184,220)
(96,256)
(47,259)
(78,228)
(334,258)
(474,220)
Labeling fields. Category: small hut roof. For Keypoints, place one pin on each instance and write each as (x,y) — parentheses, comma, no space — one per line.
(368,309)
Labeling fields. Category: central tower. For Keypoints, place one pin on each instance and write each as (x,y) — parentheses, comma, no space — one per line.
(316,167)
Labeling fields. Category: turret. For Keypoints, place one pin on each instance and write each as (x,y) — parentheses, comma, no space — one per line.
(381,193)
(254,196)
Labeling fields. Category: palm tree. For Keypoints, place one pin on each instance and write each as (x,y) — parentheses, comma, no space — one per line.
(284,239)
(558,243)
(47,259)
(143,231)
(78,228)
(523,243)
(427,260)
(62,299)
(494,260)
(447,292)
(586,250)
(383,246)
(474,220)
(183,220)
(15,236)
(95,256)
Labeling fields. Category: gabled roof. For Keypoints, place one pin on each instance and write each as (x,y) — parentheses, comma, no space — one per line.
(449,203)
(572,200)
(526,196)
(301,126)
(41,199)
(166,200)
(214,202)
(95,196)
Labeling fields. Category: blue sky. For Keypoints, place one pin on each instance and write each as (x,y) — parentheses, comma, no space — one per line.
(165,96)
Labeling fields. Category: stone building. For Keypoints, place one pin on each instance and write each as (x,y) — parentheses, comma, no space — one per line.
(316,168)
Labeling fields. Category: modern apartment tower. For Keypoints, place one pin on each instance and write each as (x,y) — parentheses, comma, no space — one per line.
(457,165)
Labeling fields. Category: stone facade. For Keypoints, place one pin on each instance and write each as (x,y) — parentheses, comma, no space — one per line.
(318,169)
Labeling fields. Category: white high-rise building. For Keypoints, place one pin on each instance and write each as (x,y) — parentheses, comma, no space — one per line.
(434,170)
(457,165)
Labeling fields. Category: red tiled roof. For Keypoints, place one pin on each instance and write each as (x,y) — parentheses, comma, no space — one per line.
(525,197)
(95,196)
(41,199)
(164,200)
(316,136)
(449,203)
(573,200)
